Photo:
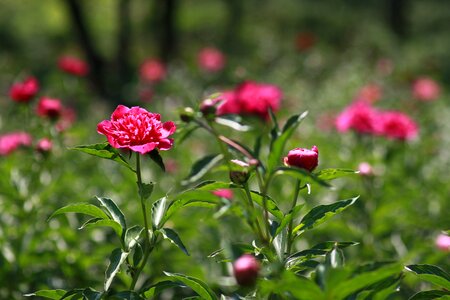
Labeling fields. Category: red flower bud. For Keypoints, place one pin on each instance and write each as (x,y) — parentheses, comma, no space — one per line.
(48,107)
(24,91)
(303,158)
(73,65)
(44,145)
(246,269)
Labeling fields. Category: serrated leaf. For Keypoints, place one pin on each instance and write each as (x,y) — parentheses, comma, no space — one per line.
(321,213)
(97,222)
(49,294)
(145,189)
(198,286)
(104,150)
(277,145)
(155,289)
(114,210)
(173,237)
(330,174)
(116,259)
(156,157)
(428,295)
(132,236)
(233,124)
(81,208)
(432,274)
(158,212)
(201,167)
(301,174)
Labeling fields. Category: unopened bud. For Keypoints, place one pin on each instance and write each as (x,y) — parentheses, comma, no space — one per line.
(246,269)
(239,177)
(208,108)
(187,114)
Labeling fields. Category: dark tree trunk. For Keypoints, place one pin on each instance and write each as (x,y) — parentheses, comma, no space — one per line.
(168,33)
(232,40)
(396,13)
(123,41)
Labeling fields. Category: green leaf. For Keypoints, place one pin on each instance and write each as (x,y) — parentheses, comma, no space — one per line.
(158,212)
(173,237)
(132,236)
(193,197)
(329,245)
(201,167)
(432,274)
(330,174)
(198,286)
(116,259)
(114,210)
(277,145)
(363,280)
(335,258)
(97,222)
(104,150)
(145,190)
(301,174)
(156,157)
(321,213)
(155,289)
(272,207)
(49,294)
(91,294)
(287,218)
(428,295)
(232,123)
(81,208)
(126,295)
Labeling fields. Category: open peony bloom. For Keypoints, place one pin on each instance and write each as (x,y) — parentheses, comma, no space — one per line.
(12,141)
(425,89)
(137,129)
(24,91)
(49,107)
(246,269)
(73,65)
(211,59)
(359,116)
(152,70)
(396,125)
(303,158)
(443,242)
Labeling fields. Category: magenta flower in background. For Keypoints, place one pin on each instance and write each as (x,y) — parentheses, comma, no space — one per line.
(396,125)
(360,116)
(24,91)
(365,169)
(246,269)
(44,145)
(152,70)
(303,158)
(370,93)
(224,193)
(73,65)
(12,141)
(443,242)
(211,59)
(426,89)
(49,107)
(137,129)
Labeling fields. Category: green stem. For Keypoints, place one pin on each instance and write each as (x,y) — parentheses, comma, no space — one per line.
(294,203)
(253,216)
(148,247)
(264,202)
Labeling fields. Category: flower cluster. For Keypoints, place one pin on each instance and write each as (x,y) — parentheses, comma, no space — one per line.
(73,65)
(137,129)
(249,98)
(211,59)
(361,117)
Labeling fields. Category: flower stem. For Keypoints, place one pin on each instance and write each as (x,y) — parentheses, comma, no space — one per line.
(253,216)
(294,203)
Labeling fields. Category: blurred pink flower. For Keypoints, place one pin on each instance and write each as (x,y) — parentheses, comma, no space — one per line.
(303,158)
(24,91)
(73,65)
(153,70)
(443,242)
(365,169)
(425,89)
(49,107)
(211,59)
(67,118)
(44,145)
(224,193)
(137,129)
(396,125)
(11,141)
(370,93)
(359,116)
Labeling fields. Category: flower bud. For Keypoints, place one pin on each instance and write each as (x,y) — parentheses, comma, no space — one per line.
(187,114)
(239,177)
(365,169)
(49,107)
(443,242)
(303,158)
(44,145)
(246,269)
(208,108)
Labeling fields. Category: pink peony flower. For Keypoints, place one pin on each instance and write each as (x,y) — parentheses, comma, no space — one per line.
(73,65)
(359,116)
(303,158)
(211,59)
(396,125)
(44,145)
(24,91)
(370,93)
(153,70)
(426,89)
(224,193)
(246,269)
(443,242)
(49,107)
(251,98)
(137,129)
(12,141)
(304,41)
(365,169)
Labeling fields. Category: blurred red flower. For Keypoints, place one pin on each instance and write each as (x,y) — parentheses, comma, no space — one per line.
(137,129)
(11,141)
(303,158)
(224,193)
(153,70)
(211,59)
(370,93)
(73,65)
(24,91)
(49,107)
(426,89)
(44,145)
(67,118)
(360,116)
(396,125)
